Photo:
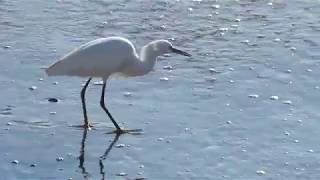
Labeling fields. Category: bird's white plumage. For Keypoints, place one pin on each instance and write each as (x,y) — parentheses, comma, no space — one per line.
(99,58)
(106,56)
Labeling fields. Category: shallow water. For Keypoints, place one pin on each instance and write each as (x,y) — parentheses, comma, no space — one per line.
(218,123)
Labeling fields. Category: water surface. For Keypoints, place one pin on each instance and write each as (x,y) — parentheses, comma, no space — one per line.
(213,119)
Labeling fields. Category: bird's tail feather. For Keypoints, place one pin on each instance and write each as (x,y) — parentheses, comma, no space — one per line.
(55,69)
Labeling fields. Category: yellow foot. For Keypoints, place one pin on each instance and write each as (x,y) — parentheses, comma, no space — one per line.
(127,131)
(85,126)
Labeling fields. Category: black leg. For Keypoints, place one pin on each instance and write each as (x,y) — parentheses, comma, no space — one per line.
(83,93)
(119,130)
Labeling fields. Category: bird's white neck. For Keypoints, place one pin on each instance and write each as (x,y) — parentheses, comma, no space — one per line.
(144,63)
(148,57)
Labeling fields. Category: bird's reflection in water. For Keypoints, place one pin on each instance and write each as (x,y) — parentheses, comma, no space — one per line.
(81,157)
(86,174)
(103,157)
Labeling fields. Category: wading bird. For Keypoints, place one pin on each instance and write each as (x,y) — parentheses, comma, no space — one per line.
(106,56)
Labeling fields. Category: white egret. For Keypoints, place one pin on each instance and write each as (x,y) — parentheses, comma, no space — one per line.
(106,56)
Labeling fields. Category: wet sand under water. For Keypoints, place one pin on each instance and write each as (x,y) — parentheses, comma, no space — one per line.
(245,106)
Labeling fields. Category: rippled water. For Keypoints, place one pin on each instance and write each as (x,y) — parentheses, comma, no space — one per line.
(245,106)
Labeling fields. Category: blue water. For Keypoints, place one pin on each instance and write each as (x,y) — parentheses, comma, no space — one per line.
(216,117)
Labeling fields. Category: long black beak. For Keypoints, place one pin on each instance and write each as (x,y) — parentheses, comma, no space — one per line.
(174,50)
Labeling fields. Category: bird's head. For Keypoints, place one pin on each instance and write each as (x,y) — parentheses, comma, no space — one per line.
(164,47)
